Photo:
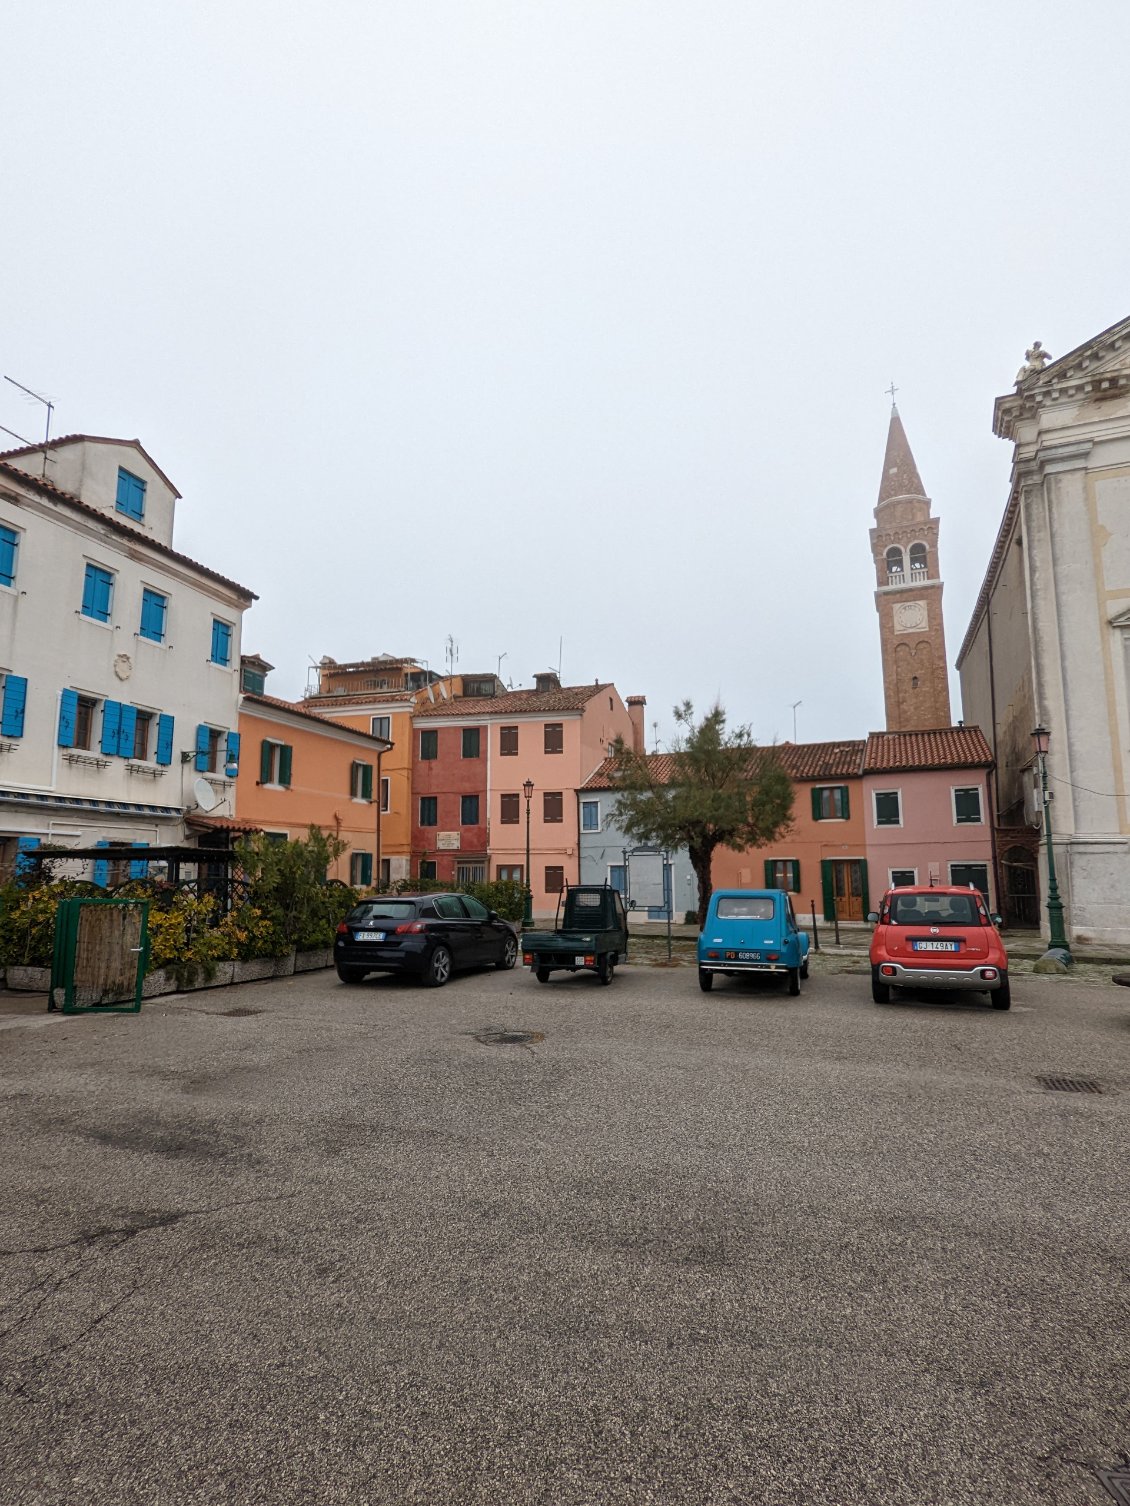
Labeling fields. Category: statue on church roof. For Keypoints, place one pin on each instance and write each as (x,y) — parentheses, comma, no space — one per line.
(1035,359)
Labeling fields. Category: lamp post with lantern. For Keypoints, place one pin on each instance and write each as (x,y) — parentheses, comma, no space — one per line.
(1057,937)
(528,913)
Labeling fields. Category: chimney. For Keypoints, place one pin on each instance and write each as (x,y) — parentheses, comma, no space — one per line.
(547,681)
(636,703)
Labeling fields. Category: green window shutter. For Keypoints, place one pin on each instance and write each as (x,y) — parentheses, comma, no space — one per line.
(816,814)
(353,767)
(286,758)
(769,866)
(795,885)
(366,868)
(366,781)
(863,885)
(829,891)
(265,761)
(846,803)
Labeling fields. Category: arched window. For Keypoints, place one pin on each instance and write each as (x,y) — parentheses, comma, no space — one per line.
(918,561)
(894,564)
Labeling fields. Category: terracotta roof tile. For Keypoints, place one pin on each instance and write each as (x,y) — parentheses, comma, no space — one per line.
(801,761)
(49,489)
(64,439)
(515,702)
(937,748)
(298,709)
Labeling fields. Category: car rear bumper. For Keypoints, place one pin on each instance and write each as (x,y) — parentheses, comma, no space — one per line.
(941,977)
(735,969)
(375,959)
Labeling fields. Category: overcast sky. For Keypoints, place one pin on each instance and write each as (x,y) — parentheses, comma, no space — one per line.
(544,324)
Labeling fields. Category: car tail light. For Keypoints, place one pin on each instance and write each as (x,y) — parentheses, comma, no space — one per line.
(989,974)
(772,956)
(887,970)
(343,929)
(410,928)
(714,956)
(527,959)
(590,961)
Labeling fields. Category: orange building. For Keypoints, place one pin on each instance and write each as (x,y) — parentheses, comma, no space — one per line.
(379,696)
(299,770)
(822,859)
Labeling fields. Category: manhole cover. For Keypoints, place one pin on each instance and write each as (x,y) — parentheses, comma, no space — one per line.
(238,1014)
(1069,1084)
(494,1037)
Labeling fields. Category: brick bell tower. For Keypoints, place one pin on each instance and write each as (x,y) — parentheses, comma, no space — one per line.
(908,594)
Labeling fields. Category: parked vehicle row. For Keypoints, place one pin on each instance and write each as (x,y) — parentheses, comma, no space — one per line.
(924,938)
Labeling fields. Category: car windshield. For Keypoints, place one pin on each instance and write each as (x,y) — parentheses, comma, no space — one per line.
(382,909)
(934,910)
(745,907)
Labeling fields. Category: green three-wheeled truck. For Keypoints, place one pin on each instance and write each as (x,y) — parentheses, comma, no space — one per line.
(590,933)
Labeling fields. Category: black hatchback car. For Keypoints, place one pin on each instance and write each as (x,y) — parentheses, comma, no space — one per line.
(428,935)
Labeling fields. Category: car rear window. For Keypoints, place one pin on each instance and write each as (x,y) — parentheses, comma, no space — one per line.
(934,910)
(382,909)
(745,907)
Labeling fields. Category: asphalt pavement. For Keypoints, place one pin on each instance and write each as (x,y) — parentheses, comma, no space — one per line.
(300,1242)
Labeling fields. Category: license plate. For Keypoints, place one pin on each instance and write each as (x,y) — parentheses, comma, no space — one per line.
(368,935)
(743,956)
(578,962)
(935,946)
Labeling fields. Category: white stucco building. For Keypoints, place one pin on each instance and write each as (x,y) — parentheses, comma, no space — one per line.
(119,656)
(1049,639)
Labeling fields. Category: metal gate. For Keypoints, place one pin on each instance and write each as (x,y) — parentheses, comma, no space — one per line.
(101,952)
(1021,889)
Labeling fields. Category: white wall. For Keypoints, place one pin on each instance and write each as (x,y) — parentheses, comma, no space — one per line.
(88,469)
(45,638)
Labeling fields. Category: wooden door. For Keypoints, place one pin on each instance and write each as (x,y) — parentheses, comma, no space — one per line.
(847,888)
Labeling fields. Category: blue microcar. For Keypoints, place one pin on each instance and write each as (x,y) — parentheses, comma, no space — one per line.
(752,931)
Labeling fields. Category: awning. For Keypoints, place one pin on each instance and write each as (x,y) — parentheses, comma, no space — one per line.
(37,800)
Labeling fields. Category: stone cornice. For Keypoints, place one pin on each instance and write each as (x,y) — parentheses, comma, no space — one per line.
(1075,376)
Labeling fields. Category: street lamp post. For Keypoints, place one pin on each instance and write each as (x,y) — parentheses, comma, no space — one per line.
(1056,936)
(528,914)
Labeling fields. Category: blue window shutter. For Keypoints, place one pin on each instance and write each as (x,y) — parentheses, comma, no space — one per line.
(111,723)
(202,748)
(88,592)
(101,874)
(25,844)
(139,868)
(15,699)
(9,545)
(232,753)
(153,609)
(127,727)
(105,584)
(68,714)
(164,739)
(131,494)
(221,642)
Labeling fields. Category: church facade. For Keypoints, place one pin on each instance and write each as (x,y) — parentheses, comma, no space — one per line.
(1049,639)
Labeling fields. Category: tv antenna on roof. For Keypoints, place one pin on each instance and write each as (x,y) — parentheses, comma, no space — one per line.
(48,404)
(451,653)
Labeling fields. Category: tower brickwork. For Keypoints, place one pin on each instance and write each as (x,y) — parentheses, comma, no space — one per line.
(908,594)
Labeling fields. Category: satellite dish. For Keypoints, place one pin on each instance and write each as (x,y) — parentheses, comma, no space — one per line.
(206,797)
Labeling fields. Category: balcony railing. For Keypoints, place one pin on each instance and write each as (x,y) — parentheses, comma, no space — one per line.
(907,577)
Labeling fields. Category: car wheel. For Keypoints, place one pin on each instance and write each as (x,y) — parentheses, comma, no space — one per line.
(880,992)
(705,980)
(351,974)
(604,969)
(1002,996)
(437,970)
(794,982)
(804,968)
(509,954)
(542,975)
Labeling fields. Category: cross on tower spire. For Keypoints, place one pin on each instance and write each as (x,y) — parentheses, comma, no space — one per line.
(892,389)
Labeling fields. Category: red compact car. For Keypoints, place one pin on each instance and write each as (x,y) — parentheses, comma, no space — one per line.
(937,938)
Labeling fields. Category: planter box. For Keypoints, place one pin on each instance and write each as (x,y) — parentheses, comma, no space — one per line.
(32,980)
(254,968)
(164,980)
(306,962)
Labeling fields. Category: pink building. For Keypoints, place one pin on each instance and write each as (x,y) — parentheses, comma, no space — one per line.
(927,814)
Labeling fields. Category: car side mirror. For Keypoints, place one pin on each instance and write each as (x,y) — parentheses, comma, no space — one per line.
(492,915)
(873,917)
(997,920)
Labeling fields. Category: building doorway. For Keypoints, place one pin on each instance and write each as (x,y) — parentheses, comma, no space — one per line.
(845,889)
(1021,889)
